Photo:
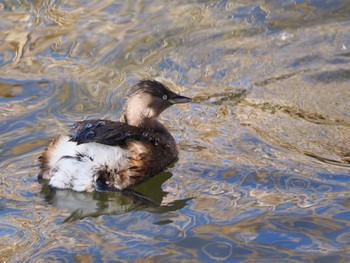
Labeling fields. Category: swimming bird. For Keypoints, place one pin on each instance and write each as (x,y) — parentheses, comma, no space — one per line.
(115,155)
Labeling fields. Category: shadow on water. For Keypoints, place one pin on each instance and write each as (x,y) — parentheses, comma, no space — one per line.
(145,197)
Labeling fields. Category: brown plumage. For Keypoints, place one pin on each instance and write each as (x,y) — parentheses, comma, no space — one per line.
(116,155)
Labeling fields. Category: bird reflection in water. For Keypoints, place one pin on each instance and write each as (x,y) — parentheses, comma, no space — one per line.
(146,197)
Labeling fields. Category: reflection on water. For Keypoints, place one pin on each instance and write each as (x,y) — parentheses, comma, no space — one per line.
(263,172)
(95,204)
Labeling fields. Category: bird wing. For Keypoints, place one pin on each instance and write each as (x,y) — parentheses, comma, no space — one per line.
(104,132)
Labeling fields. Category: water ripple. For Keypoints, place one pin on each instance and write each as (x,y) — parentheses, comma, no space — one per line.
(263,168)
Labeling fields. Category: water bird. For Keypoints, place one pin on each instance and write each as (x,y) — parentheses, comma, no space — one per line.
(115,155)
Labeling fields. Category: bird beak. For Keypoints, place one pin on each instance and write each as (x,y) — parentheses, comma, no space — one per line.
(179,99)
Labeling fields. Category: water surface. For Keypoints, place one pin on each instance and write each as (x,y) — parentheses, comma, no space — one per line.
(264,165)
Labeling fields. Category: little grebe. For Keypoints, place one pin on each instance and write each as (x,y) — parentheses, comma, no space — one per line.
(115,155)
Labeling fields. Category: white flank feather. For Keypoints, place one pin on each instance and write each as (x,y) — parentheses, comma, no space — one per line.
(74,173)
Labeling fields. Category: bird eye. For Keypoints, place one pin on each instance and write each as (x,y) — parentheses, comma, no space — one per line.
(165,97)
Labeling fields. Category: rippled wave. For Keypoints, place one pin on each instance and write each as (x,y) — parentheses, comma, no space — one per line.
(263,172)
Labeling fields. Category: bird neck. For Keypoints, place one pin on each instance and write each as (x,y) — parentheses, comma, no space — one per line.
(146,123)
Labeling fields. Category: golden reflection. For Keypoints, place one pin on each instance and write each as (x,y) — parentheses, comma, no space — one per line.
(88,258)
(9,90)
(64,94)
(28,146)
(270,199)
(247,231)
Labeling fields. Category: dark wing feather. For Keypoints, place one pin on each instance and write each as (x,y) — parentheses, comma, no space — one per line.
(104,132)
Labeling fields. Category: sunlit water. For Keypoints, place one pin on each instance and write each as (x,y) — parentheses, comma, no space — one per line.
(264,167)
